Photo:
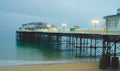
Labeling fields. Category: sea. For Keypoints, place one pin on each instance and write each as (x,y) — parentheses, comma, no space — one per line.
(13,52)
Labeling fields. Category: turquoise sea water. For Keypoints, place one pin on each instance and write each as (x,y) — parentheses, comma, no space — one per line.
(14,52)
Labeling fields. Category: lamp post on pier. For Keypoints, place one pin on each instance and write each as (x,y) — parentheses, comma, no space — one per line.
(95,22)
(64,25)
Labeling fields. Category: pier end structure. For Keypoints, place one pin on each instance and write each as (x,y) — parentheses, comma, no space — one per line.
(112,22)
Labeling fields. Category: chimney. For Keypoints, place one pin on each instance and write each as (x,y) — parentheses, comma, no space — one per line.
(118,11)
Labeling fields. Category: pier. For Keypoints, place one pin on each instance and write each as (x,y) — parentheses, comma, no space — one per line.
(83,43)
(87,42)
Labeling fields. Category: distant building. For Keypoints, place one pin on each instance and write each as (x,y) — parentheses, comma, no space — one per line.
(34,26)
(74,28)
(39,26)
(112,22)
(53,28)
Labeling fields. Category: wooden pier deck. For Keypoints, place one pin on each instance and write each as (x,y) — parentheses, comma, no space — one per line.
(100,32)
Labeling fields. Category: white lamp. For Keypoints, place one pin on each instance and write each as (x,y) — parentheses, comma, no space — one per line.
(95,22)
(64,25)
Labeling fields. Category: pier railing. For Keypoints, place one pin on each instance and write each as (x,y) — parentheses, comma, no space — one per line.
(99,31)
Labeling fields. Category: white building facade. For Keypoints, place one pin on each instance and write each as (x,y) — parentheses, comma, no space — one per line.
(112,22)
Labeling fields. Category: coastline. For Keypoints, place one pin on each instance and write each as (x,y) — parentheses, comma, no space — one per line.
(7,63)
(73,66)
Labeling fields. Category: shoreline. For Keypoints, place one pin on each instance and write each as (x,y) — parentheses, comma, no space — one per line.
(73,66)
(6,63)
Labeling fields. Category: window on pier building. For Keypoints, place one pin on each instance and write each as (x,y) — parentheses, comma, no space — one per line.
(113,23)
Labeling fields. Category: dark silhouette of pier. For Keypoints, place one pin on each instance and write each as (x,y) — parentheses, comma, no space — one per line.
(90,44)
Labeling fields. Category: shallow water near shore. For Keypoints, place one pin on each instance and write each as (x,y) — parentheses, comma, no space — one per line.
(13,52)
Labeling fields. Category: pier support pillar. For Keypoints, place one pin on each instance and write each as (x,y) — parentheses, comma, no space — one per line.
(95,48)
(80,46)
(115,60)
(91,48)
(115,63)
(105,59)
(104,62)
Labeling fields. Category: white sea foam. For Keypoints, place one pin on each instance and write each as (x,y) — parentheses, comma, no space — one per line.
(19,62)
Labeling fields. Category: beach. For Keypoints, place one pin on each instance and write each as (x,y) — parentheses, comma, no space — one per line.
(76,66)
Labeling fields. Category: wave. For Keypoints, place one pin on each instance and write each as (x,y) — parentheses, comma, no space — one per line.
(20,62)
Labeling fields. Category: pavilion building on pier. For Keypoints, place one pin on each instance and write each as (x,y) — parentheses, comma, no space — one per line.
(112,22)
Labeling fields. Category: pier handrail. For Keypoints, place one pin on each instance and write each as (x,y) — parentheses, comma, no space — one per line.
(102,32)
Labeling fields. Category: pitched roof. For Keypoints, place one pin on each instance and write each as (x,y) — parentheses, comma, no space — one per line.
(112,16)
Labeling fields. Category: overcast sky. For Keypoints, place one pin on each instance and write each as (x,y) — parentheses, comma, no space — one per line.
(14,13)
